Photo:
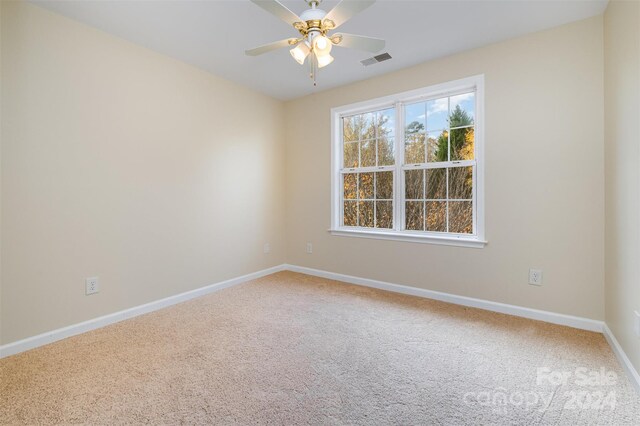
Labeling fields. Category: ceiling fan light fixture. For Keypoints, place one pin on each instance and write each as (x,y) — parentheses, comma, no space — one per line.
(324,60)
(314,26)
(300,52)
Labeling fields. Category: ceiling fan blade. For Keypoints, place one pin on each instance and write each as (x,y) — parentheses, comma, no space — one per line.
(279,10)
(370,44)
(271,46)
(346,9)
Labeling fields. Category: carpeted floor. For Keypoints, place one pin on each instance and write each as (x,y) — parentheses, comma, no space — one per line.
(294,349)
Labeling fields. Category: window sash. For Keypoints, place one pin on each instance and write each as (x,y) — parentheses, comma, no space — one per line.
(473,199)
(344,172)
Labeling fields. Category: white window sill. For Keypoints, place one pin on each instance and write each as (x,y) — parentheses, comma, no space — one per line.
(447,240)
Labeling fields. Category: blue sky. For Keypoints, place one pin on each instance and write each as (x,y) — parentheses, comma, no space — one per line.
(436,111)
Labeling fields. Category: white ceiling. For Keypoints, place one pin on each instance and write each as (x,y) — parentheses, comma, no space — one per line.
(214,34)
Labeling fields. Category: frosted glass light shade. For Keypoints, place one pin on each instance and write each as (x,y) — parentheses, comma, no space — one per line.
(324,60)
(300,52)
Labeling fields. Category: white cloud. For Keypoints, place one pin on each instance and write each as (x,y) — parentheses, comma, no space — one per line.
(441,105)
(438,105)
(458,99)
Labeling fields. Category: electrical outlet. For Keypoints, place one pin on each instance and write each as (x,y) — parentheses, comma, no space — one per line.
(92,285)
(535,276)
(266,248)
(309,248)
(636,324)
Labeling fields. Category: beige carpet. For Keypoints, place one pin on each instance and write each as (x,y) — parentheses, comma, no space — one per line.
(293,349)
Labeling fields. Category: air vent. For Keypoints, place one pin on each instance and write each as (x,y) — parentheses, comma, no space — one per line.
(378,58)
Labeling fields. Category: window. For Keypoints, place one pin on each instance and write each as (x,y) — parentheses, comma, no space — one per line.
(409,167)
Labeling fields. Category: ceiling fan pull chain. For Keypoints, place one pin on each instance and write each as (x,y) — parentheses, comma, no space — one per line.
(315,69)
(312,68)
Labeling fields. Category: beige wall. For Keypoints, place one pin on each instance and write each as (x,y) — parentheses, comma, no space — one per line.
(544,177)
(622,162)
(122,163)
(1,172)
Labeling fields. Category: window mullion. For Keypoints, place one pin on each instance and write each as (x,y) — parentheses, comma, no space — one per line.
(424,199)
(398,193)
(341,196)
(474,201)
(447,201)
(358,199)
(449,130)
(375,205)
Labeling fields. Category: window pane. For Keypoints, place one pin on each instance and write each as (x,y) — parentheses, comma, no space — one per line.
(437,113)
(414,216)
(461,183)
(367,126)
(414,116)
(466,103)
(414,184)
(414,148)
(384,214)
(386,152)
(459,118)
(461,217)
(436,184)
(349,186)
(462,141)
(350,213)
(349,131)
(386,122)
(368,153)
(438,146)
(365,214)
(437,216)
(384,185)
(365,180)
(351,154)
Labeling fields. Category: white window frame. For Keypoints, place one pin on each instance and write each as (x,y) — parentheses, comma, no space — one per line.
(476,240)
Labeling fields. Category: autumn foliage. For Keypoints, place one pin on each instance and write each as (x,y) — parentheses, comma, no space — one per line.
(437,199)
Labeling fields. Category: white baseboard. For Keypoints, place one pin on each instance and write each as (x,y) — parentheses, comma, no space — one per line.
(627,366)
(503,308)
(92,324)
(551,317)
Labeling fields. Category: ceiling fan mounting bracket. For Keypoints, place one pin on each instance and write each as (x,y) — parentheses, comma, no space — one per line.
(300,26)
(317,26)
(313,26)
(328,24)
(336,38)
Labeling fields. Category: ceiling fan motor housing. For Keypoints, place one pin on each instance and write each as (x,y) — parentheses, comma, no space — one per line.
(313,15)
(313,18)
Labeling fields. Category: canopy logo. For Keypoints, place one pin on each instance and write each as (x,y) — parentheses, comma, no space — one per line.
(586,391)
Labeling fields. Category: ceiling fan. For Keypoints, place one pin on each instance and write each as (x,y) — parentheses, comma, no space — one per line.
(314,25)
